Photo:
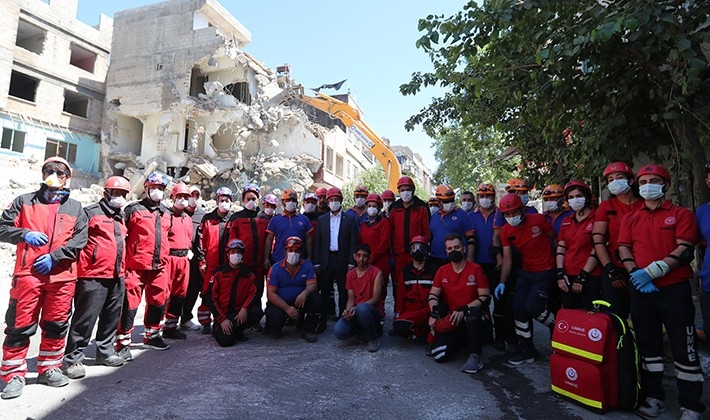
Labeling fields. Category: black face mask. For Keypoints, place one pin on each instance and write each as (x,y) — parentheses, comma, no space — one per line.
(456,256)
(418,255)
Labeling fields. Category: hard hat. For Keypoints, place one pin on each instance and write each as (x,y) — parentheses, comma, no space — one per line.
(223,191)
(510,202)
(444,325)
(321,192)
(334,192)
(294,243)
(419,239)
(486,188)
(236,244)
(654,170)
(156,178)
(271,199)
(444,192)
(516,184)
(433,201)
(289,194)
(251,188)
(57,159)
(404,181)
(309,196)
(117,183)
(195,188)
(361,190)
(618,167)
(552,191)
(375,198)
(387,195)
(180,188)
(578,184)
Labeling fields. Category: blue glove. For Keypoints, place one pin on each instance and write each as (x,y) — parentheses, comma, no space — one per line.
(640,278)
(498,292)
(35,238)
(44,264)
(648,288)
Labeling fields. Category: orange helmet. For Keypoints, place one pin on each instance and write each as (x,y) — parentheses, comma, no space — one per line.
(516,184)
(361,190)
(655,170)
(404,181)
(57,159)
(117,183)
(486,188)
(321,192)
(444,192)
(180,188)
(289,194)
(335,192)
(578,184)
(375,198)
(433,201)
(510,202)
(387,195)
(552,191)
(618,167)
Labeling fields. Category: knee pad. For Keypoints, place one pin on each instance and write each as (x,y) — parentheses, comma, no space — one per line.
(55,329)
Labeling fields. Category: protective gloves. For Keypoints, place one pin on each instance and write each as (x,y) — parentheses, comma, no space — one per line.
(648,288)
(498,292)
(640,278)
(44,264)
(35,239)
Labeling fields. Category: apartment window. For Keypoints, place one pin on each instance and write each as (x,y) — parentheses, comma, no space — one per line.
(339,165)
(13,140)
(329,159)
(30,37)
(23,86)
(82,58)
(76,104)
(240,91)
(60,148)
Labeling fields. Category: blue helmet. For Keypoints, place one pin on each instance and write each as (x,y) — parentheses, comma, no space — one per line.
(156,178)
(223,191)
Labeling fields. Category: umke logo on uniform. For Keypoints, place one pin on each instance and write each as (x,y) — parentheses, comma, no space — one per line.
(471,281)
(536,231)
(669,221)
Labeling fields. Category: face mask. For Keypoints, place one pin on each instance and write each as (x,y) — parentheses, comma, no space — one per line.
(406,196)
(359,202)
(290,206)
(486,203)
(269,211)
(117,202)
(52,181)
(250,205)
(651,191)
(418,255)
(156,195)
(192,202)
(550,205)
(180,203)
(293,258)
(577,203)
(235,259)
(309,207)
(334,205)
(372,211)
(387,204)
(514,221)
(619,186)
(525,198)
(467,205)
(456,256)
(448,207)
(224,206)
(433,210)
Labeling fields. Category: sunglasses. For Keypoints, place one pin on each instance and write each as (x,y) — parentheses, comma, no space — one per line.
(60,173)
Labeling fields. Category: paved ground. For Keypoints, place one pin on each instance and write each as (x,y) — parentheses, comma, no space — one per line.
(289,378)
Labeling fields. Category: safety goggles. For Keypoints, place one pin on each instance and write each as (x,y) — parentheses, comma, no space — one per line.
(59,172)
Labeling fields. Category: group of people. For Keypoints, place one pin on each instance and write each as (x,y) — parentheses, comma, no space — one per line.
(461,274)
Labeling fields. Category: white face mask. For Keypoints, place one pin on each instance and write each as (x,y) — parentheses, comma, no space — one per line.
(235,259)
(433,209)
(406,196)
(372,211)
(334,205)
(192,202)
(467,205)
(387,204)
(619,186)
(250,205)
(117,202)
(514,221)
(309,207)
(269,211)
(180,203)
(577,203)
(52,181)
(224,206)
(525,198)
(448,207)
(651,191)
(156,194)
(359,202)
(550,205)
(290,206)
(486,203)
(293,258)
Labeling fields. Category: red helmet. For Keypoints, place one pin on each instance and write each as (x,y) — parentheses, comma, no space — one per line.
(334,192)
(433,201)
(271,199)
(618,167)
(289,194)
(57,159)
(223,191)
(309,196)
(376,198)
(444,192)
(552,191)
(444,325)
(578,184)
(251,188)
(510,202)
(486,188)
(321,192)
(180,188)
(654,170)
(419,239)
(388,195)
(117,183)
(361,190)
(405,180)
(156,178)
(294,243)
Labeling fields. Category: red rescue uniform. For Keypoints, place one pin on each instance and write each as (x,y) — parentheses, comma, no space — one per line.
(178,265)
(459,289)
(577,237)
(375,233)
(232,290)
(531,238)
(612,211)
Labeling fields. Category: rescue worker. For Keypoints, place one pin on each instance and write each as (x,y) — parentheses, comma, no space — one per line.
(467,201)
(607,223)
(578,274)
(359,209)
(418,277)
(457,300)
(289,223)
(43,280)
(197,213)
(270,203)
(656,246)
(530,234)
(387,201)
(409,216)
(292,292)
(233,292)
(178,263)
(433,204)
(552,203)
(310,210)
(450,219)
(147,250)
(101,271)
(702,217)
(322,204)
(375,232)
(213,236)
(365,308)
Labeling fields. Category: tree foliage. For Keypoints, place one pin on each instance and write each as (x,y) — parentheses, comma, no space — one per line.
(621,80)
(374,179)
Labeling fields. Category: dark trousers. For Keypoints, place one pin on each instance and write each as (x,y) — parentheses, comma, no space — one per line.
(468,334)
(332,273)
(617,298)
(591,291)
(194,286)
(705,310)
(94,298)
(503,325)
(673,307)
(254,314)
(530,301)
(310,314)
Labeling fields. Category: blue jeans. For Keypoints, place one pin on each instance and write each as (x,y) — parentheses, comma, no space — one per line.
(365,321)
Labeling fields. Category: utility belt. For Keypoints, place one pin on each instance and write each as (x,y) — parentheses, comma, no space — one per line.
(179,252)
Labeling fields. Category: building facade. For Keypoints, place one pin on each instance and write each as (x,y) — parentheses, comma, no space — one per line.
(413,166)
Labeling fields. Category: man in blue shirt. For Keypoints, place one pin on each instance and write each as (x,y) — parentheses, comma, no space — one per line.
(449,219)
(289,223)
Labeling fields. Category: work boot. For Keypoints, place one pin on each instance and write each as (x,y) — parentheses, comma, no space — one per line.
(125,354)
(522,356)
(174,334)
(373,345)
(76,371)
(257,328)
(190,326)
(688,414)
(428,348)
(156,343)
(14,388)
(652,407)
(206,329)
(473,364)
(309,337)
(113,360)
(54,378)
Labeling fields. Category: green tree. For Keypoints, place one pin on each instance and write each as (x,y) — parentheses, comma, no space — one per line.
(375,180)
(574,85)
